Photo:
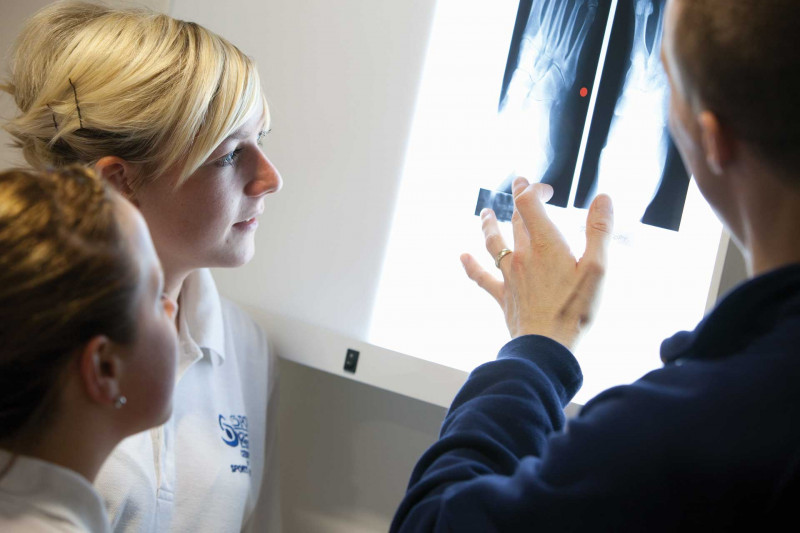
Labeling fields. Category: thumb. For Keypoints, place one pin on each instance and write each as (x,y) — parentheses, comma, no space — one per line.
(599,226)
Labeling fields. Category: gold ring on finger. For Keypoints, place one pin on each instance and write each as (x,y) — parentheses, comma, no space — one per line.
(499,257)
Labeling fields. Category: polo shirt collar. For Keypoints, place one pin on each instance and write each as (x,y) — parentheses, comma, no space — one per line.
(55,491)
(747,312)
(201,328)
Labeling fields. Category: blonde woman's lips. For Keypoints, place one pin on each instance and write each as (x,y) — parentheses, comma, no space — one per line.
(247,225)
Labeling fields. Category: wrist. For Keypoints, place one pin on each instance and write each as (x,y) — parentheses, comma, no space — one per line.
(564,335)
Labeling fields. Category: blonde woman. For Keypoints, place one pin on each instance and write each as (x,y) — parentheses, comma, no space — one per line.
(88,344)
(173,116)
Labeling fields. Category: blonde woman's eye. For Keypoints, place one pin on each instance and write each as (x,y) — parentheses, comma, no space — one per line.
(229,159)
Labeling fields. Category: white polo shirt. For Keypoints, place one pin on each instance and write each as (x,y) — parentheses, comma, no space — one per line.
(213,466)
(40,497)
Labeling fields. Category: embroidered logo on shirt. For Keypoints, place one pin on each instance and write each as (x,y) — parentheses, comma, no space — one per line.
(234,434)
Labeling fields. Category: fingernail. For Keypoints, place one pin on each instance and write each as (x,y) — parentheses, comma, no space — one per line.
(519,184)
(485,212)
(603,204)
(545,191)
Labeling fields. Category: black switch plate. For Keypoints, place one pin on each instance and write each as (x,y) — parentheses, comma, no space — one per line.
(351,360)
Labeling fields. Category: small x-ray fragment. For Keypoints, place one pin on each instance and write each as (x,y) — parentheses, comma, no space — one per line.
(500,202)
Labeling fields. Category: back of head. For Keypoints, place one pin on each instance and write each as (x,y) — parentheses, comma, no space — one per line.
(92,81)
(65,276)
(739,58)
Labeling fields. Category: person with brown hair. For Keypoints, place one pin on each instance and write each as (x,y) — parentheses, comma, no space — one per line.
(87,344)
(173,116)
(709,442)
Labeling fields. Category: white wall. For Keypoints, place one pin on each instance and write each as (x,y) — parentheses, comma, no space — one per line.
(347,450)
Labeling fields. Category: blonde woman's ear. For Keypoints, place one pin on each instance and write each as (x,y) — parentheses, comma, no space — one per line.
(118,173)
(100,369)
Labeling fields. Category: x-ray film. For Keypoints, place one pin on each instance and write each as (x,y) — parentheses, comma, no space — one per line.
(615,141)
(500,202)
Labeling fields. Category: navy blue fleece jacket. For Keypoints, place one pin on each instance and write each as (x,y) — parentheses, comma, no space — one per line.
(710,441)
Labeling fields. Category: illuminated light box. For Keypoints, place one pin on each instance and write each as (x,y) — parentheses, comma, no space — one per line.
(571,93)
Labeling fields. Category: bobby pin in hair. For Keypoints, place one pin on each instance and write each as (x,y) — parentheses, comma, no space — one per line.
(55,124)
(75,92)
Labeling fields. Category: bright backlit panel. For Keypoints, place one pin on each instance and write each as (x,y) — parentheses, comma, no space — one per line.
(570,93)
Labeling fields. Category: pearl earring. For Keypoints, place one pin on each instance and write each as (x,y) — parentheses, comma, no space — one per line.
(120,401)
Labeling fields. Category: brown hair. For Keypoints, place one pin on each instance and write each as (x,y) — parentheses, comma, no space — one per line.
(65,276)
(739,59)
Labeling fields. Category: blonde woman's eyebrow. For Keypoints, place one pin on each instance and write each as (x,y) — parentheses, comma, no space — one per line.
(241,134)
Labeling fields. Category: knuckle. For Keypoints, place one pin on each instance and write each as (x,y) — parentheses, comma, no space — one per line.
(524,198)
(542,246)
(601,226)
(517,262)
(493,239)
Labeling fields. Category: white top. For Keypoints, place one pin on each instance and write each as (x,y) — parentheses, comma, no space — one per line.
(213,466)
(40,497)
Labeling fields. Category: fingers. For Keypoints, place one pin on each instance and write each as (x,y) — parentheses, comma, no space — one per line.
(485,281)
(521,237)
(529,201)
(599,226)
(491,233)
(519,185)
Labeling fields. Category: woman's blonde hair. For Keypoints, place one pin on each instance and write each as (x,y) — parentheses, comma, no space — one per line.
(92,81)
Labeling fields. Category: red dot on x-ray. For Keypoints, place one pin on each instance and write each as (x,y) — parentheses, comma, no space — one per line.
(584,91)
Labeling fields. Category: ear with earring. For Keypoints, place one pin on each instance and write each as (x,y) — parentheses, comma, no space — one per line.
(100,369)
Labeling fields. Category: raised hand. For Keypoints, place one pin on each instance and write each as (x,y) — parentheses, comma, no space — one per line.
(633,158)
(545,290)
(546,70)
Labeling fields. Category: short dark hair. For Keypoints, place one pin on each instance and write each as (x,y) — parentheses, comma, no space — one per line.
(740,57)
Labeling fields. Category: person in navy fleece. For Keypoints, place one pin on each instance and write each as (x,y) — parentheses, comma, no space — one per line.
(711,441)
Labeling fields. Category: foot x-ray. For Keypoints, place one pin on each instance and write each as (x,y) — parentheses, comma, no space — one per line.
(563,51)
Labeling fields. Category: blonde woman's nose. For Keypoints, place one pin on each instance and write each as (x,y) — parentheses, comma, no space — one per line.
(266,180)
